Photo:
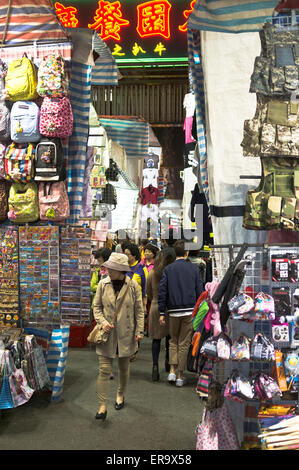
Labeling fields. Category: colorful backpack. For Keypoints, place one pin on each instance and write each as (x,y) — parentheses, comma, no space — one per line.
(56,117)
(49,161)
(53,201)
(4,121)
(23,203)
(52,79)
(24,122)
(19,162)
(3,201)
(21,80)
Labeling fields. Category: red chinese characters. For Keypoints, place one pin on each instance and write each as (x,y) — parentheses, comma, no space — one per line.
(186,14)
(108,20)
(153,19)
(66,15)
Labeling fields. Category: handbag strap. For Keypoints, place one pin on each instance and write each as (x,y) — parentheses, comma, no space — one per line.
(122,301)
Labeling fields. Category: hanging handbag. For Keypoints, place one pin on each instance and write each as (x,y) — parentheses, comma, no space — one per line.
(98,335)
(240,350)
(6,401)
(223,346)
(36,355)
(209,348)
(20,390)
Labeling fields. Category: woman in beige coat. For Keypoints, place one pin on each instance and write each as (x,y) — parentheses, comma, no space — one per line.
(118,310)
(156,331)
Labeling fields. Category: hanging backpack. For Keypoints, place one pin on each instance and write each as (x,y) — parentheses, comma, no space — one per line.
(21,80)
(56,117)
(24,122)
(19,162)
(3,201)
(52,79)
(23,203)
(53,201)
(109,195)
(4,121)
(49,161)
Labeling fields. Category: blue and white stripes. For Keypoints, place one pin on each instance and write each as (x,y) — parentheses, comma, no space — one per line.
(80,100)
(231,16)
(56,360)
(131,133)
(105,71)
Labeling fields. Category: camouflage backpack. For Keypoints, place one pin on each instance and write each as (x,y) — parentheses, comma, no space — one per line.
(274,204)
(276,70)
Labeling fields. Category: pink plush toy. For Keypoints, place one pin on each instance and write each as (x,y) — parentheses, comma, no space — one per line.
(213,316)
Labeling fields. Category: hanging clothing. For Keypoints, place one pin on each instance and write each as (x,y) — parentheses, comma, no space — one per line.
(149,194)
(150,176)
(151,161)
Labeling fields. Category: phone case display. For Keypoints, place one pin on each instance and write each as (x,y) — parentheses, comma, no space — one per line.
(75,275)
(9,274)
(39,274)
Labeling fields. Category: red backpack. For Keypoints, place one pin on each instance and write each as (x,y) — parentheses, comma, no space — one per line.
(56,117)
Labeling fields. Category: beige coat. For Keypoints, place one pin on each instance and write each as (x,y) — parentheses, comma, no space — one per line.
(156,331)
(129,322)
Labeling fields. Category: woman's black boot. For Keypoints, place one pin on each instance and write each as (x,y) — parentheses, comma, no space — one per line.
(155,373)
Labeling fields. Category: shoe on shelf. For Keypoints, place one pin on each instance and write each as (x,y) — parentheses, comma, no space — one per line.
(171,378)
(155,373)
(180,382)
(119,406)
(167,366)
(101,415)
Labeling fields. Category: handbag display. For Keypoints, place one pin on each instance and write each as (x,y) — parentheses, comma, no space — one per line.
(98,335)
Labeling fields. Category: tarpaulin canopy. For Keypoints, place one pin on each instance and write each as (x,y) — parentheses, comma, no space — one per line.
(130,132)
(24,21)
(105,70)
(221,64)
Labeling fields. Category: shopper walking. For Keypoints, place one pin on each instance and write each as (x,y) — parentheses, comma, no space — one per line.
(150,252)
(179,289)
(156,330)
(118,310)
(100,272)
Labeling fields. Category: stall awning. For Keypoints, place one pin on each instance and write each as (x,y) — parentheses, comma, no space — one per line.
(231,16)
(105,71)
(24,21)
(130,132)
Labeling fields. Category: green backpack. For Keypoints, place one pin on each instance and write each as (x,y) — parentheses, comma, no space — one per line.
(23,203)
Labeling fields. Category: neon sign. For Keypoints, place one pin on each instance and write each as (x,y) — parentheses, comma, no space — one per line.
(108,20)
(153,19)
(134,30)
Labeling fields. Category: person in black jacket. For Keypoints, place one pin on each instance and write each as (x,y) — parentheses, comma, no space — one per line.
(180,286)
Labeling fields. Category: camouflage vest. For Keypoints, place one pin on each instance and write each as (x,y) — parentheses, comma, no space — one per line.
(276,70)
(274,204)
(274,130)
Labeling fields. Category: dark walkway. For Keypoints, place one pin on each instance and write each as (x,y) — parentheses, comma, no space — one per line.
(157,416)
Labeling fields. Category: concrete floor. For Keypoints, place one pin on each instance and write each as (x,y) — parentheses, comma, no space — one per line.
(157,416)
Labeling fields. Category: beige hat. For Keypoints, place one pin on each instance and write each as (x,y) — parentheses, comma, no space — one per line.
(118,262)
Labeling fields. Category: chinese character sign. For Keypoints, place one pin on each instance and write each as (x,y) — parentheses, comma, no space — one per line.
(134,30)
(108,20)
(66,15)
(154,18)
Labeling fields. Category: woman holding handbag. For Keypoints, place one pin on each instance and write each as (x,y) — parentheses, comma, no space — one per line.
(118,311)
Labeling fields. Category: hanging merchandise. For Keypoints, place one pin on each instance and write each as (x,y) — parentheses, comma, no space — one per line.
(56,117)
(265,387)
(3,201)
(97,177)
(49,161)
(262,348)
(276,69)
(24,122)
(53,201)
(23,203)
(52,78)
(273,204)
(151,161)
(150,176)
(4,121)
(112,173)
(264,306)
(9,276)
(75,275)
(3,72)
(149,195)
(240,350)
(109,195)
(39,274)
(19,162)
(2,161)
(21,80)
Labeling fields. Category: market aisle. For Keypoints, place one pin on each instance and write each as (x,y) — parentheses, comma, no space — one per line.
(156,416)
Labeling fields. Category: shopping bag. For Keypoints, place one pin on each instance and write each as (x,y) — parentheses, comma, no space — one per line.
(6,401)
(20,390)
